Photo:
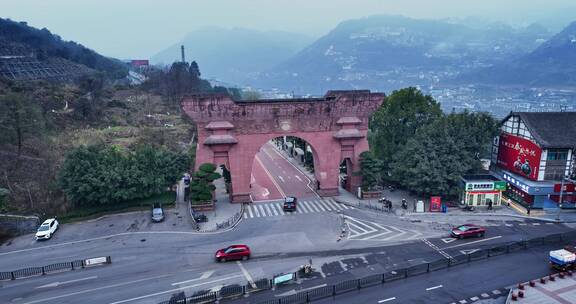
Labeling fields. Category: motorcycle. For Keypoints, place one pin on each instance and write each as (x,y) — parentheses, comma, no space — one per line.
(404,204)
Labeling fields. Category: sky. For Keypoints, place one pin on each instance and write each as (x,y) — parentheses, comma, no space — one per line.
(129,29)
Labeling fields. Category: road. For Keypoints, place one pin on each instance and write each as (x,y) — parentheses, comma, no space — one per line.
(274,177)
(150,262)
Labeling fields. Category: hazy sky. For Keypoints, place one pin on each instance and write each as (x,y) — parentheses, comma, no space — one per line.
(139,29)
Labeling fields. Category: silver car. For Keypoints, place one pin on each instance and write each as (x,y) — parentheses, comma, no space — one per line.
(157,213)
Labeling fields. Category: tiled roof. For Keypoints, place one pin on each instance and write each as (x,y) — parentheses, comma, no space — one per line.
(551,129)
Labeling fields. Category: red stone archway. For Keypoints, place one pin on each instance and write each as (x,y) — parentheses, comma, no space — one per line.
(231,132)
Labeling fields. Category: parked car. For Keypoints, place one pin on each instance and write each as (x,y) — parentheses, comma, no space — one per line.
(47,229)
(157,213)
(290,204)
(233,252)
(468,230)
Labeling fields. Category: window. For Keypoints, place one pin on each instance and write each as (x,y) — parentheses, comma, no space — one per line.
(557,154)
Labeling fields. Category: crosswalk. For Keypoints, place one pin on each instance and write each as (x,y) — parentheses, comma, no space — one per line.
(363,230)
(304,206)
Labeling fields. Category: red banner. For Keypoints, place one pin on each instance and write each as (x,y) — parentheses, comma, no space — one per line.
(435,204)
(567,188)
(519,155)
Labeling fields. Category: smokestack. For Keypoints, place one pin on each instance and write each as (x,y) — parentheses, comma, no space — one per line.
(182,51)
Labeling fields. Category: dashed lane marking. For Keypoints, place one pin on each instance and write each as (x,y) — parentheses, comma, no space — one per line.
(386,300)
(464,244)
(298,178)
(434,287)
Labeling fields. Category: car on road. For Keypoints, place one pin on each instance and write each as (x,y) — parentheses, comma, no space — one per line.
(468,230)
(47,229)
(157,213)
(290,203)
(233,252)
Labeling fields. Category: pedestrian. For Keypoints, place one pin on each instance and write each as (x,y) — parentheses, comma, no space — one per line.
(490,205)
(528,210)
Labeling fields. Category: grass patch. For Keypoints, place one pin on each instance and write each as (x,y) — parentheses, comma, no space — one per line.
(167,199)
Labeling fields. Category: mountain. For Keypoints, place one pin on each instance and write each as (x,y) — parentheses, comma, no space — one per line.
(231,54)
(388,52)
(551,64)
(29,53)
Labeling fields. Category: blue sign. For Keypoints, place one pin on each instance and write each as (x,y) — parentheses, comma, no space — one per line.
(283,278)
(517,183)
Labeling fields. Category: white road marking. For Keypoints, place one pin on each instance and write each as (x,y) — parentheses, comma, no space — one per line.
(432,288)
(536,224)
(245,215)
(464,244)
(281,178)
(468,251)
(95,289)
(175,289)
(303,174)
(273,209)
(448,240)
(298,178)
(279,207)
(386,300)
(256,210)
(270,176)
(323,203)
(246,274)
(318,205)
(268,209)
(250,211)
(304,207)
(204,276)
(56,284)
(261,209)
(474,299)
(312,205)
(442,252)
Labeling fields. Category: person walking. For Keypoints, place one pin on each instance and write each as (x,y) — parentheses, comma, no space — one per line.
(489,204)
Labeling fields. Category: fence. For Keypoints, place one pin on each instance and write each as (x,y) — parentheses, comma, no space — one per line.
(52,268)
(235,291)
(230,222)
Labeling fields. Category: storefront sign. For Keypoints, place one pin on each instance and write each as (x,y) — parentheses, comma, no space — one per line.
(519,155)
(500,186)
(480,186)
(516,183)
(435,204)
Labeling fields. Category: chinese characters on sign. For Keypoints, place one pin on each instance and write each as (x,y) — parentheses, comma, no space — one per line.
(519,155)
(516,183)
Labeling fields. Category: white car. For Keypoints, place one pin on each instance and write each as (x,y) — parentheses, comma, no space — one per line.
(47,229)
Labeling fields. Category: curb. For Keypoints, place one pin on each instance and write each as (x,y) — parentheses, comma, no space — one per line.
(358,205)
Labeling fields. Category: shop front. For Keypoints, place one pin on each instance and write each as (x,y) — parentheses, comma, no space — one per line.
(483,191)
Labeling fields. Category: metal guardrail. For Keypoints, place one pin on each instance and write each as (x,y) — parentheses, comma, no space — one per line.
(52,268)
(230,222)
(235,291)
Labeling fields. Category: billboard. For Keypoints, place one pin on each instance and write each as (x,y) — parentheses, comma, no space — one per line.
(435,204)
(519,155)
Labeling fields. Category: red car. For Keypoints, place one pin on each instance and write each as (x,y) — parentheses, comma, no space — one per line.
(234,252)
(468,230)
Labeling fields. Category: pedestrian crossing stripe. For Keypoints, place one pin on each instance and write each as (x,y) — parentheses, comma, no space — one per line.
(304,206)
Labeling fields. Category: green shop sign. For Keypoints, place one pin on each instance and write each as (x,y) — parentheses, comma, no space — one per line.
(500,185)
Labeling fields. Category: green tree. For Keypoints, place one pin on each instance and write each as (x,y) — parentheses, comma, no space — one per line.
(433,161)
(20,117)
(4,195)
(202,184)
(398,119)
(370,170)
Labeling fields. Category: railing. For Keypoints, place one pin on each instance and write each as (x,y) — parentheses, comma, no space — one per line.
(230,222)
(52,268)
(235,291)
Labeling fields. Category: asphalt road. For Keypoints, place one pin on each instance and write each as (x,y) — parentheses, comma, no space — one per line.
(150,265)
(271,171)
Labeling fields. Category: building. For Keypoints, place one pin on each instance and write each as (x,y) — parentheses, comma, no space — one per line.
(482,190)
(533,154)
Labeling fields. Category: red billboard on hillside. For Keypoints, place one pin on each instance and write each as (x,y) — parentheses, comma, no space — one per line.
(519,155)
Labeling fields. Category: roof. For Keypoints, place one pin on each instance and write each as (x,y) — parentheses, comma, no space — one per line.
(550,129)
(48,221)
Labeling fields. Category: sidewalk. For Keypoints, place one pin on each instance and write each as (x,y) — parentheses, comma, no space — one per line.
(224,211)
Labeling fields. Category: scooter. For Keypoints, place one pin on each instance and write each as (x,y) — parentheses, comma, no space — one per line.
(404,204)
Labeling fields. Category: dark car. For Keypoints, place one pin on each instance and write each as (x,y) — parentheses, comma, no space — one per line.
(234,252)
(468,230)
(157,213)
(290,204)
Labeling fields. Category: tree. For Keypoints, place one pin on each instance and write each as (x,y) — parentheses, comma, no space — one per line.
(433,161)
(370,170)
(398,119)
(19,117)
(202,184)
(4,194)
